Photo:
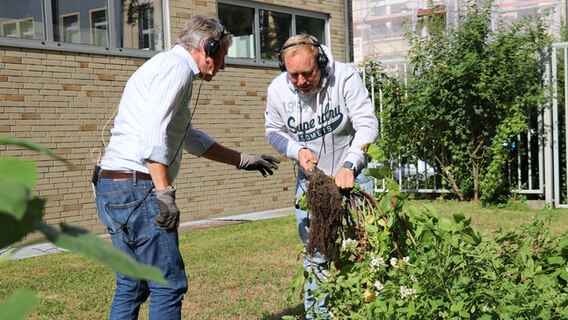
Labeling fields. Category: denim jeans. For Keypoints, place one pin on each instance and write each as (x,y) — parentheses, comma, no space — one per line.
(316,264)
(128,208)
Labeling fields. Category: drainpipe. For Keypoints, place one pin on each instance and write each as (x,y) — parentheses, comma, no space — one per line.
(348,26)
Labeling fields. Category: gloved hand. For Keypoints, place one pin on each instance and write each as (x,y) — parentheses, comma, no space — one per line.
(263,163)
(168,217)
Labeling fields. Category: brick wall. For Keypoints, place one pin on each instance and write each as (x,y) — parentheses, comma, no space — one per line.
(62,100)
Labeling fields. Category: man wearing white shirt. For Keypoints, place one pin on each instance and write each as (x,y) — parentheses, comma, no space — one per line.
(134,192)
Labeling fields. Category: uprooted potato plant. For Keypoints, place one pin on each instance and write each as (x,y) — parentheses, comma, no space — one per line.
(392,261)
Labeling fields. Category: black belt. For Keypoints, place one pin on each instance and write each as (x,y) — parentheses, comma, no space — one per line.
(124,174)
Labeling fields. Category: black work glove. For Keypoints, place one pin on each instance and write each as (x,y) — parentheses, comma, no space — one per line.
(263,163)
(168,217)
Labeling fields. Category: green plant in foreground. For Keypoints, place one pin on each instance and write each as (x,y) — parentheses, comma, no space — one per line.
(21,213)
(398,262)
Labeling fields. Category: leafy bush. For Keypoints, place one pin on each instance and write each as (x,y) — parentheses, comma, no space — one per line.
(397,262)
(469,89)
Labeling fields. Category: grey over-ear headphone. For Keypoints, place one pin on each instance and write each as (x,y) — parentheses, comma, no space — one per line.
(322,57)
(211,45)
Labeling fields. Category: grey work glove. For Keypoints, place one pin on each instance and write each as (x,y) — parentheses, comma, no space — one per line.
(168,217)
(263,163)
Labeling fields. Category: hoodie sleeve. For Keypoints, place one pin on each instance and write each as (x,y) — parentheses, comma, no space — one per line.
(362,114)
(276,131)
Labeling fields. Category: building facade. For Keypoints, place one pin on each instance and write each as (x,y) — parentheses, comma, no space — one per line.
(379,26)
(64,64)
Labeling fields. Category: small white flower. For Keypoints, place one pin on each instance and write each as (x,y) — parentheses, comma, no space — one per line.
(378,262)
(348,244)
(379,286)
(486,308)
(406,260)
(407,292)
(413,278)
(394,262)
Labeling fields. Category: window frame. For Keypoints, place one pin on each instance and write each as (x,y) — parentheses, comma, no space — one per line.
(48,42)
(258,61)
(63,28)
(93,30)
(18,24)
(149,32)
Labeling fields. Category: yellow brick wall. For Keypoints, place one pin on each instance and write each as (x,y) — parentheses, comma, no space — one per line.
(62,101)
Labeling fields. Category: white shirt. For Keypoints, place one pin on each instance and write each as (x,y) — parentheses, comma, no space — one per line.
(153,116)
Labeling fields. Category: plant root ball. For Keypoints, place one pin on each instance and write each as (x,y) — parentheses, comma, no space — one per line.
(326,211)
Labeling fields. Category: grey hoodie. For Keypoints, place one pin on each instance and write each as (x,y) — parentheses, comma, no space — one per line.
(333,121)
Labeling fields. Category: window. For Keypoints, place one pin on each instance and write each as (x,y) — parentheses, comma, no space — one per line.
(99,27)
(315,27)
(143,25)
(240,22)
(70,28)
(21,21)
(275,29)
(23,28)
(120,27)
(259,30)
(146,27)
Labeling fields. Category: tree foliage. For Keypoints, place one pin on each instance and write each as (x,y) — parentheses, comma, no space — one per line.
(133,10)
(470,90)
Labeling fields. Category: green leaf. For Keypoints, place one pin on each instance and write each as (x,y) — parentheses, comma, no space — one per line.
(543,281)
(445,224)
(456,307)
(458,217)
(379,173)
(16,171)
(375,153)
(555,261)
(17,179)
(564,275)
(13,199)
(81,241)
(13,230)
(31,146)
(18,305)
(385,203)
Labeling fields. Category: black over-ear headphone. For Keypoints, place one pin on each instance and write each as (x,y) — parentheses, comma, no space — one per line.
(211,45)
(322,57)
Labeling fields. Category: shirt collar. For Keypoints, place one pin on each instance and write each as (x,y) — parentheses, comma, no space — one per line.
(184,53)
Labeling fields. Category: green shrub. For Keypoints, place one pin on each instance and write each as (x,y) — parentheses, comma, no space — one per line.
(397,262)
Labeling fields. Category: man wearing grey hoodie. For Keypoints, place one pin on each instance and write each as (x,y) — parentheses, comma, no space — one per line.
(319,113)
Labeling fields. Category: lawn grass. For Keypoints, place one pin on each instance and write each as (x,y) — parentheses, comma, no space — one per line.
(239,271)
(508,218)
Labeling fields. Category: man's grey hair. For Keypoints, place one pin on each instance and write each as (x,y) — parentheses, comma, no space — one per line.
(199,28)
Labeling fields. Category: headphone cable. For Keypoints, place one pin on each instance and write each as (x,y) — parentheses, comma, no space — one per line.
(192,113)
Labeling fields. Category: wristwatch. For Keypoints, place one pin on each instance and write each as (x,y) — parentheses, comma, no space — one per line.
(349,165)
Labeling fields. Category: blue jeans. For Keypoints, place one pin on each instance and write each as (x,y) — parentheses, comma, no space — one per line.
(128,208)
(316,264)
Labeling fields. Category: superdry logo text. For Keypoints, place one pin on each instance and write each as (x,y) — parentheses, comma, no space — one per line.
(311,129)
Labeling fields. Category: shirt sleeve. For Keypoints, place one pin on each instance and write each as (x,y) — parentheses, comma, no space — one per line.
(197,142)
